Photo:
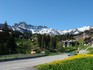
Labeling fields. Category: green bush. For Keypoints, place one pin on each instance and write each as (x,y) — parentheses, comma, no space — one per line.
(68,49)
(90,50)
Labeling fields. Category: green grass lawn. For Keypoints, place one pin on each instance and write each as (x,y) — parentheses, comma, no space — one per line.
(73,63)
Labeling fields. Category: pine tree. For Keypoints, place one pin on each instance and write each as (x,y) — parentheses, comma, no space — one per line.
(39,39)
(11,45)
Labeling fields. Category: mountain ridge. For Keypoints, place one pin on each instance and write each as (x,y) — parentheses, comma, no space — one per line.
(23,26)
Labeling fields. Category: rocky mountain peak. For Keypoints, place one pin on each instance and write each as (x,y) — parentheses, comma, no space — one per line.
(23,26)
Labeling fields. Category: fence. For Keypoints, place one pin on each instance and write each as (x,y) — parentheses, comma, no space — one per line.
(19,56)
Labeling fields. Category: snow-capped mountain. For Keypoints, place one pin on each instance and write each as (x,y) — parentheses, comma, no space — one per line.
(22,27)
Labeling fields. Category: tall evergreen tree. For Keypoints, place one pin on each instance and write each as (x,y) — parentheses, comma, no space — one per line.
(5,27)
(39,39)
(11,45)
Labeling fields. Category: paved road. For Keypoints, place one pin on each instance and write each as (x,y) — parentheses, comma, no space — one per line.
(27,64)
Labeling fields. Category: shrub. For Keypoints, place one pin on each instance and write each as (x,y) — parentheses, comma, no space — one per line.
(90,50)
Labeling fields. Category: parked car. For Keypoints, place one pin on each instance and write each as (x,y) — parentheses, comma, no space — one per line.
(72,53)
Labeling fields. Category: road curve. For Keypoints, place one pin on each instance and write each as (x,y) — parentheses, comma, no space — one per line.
(27,64)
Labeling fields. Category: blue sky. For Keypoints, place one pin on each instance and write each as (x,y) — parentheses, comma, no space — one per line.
(57,14)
